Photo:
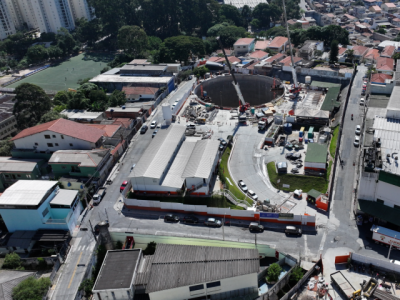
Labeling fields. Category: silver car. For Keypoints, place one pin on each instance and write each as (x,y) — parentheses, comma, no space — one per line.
(252,195)
(213,222)
(357,141)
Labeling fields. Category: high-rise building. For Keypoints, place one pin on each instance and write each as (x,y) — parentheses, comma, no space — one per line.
(43,15)
(7,26)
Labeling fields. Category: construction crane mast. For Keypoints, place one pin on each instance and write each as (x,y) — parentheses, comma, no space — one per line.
(296,88)
(243,106)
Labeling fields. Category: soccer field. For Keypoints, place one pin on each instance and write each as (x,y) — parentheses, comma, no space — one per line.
(66,74)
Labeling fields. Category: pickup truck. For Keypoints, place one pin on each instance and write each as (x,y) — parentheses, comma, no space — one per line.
(99,195)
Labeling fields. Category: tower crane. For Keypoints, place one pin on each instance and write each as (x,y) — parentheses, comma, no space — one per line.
(243,105)
(296,88)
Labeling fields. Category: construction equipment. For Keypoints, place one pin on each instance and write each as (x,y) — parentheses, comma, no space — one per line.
(296,88)
(243,106)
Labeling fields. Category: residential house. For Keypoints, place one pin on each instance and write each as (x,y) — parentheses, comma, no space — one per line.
(359,11)
(287,63)
(228,52)
(259,55)
(342,56)
(396,21)
(83,116)
(376,10)
(328,19)
(388,51)
(243,46)
(140,93)
(278,44)
(94,164)
(14,169)
(124,112)
(385,65)
(319,7)
(359,27)
(369,3)
(371,56)
(157,278)
(349,18)
(389,8)
(307,51)
(59,134)
(381,84)
(377,22)
(39,204)
(359,52)
(262,45)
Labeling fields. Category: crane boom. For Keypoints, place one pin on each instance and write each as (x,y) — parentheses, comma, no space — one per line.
(296,84)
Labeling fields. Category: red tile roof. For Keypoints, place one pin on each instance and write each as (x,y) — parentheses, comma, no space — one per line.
(342,50)
(221,60)
(261,45)
(384,63)
(376,8)
(139,90)
(288,61)
(388,51)
(258,54)
(292,22)
(65,127)
(244,41)
(380,77)
(372,54)
(392,5)
(396,20)
(251,66)
(349,16)
(125,122)
(227,51)
(275,57)
(278,42)
(360,50)
(110,130)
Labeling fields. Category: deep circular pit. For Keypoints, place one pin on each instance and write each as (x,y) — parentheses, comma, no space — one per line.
(256,90)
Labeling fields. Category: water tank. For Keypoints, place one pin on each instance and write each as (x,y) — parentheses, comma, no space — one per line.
(252,110)
(205,93)
(167,113)
(308,79)
(290,119)
(287,128)
(278,118)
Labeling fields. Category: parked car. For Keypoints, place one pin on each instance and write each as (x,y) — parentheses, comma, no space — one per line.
(143,129)
(221,148)
(123,185)
(223,142)
(190,126)
(256,227)
(357,141)
(299,165)
(243,186)
(358,129)
(362,101)
(252,195)
(102,223)
(171,218)
(153,124)
(213,222)
(293,230)
(154,133)
(293,155)
(295,170)
(99,195)
(190,219)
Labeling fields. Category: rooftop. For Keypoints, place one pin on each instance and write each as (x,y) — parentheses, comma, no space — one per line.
(6,106)
(372,54)
(288,61)
(159,152)
(181,265)
(316,153)
(144,67)
(26,192)
(64,197)
(126,108)
(380,77)
(322,84)
(261,45)
(109,129)
(385,63)
(244,41)
(82,114)
(258,54)
(130,79)
(278,42)
(388,50)
(65,127)
(360,50)
(139,90)
(118,270)
(9,279)
(9,164)
(394,101)
(139,61)
(82,158)
(330,101)
(240,3)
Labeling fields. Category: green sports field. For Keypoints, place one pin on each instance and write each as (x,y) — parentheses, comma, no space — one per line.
(66,74)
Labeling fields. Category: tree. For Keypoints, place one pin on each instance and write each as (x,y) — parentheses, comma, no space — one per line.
(36,54)
(333,55)
(86,88)
(31,289)
(396,56)
(132,39)
(199,72)
(180,48)
(350,54)
(230,13)
(78,101)
(230,34)
(273,272)
(54,52)
(150,249)
(12,261)
(296,275)
(51,116)
(381,30)
(87,286)
(98,100)
(31,103)
(62,97)
(266,13)
(246,15)
(117,98)
(65,41)
(87,31)
(216,29)
(6,146)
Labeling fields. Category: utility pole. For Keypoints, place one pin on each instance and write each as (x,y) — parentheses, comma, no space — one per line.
(390,249)
(94,235)
(223,229)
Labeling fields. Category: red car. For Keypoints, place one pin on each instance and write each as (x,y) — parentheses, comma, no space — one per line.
(123,185)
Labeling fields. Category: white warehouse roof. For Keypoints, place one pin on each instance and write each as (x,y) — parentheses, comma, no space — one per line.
(159,153)
(201,161)
(26,192)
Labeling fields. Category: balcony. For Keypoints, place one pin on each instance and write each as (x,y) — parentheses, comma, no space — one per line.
(51,221)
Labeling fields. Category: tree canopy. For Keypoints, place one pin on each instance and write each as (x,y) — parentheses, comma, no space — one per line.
(180,48)
(31,289)
(12,261)
(132,39)
(333,55)
(31,103)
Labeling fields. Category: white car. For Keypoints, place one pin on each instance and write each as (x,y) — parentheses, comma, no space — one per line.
(243,186)
(362,101)
(358,129)
(252,195)
(153,124)
(357,141)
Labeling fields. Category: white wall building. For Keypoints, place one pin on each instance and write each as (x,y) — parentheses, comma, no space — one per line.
(7,26)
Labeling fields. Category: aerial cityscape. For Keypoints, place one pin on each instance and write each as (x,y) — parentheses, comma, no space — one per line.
(199,149)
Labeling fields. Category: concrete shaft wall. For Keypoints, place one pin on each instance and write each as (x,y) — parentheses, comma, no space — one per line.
(256,90)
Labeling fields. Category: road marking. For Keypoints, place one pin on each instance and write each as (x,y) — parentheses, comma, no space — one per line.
(73,274)
(321,245)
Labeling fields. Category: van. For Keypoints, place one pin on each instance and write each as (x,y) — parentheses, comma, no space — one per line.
(256,227)
(292,230)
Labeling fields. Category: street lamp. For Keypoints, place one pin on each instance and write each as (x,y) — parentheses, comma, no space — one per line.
(223,228)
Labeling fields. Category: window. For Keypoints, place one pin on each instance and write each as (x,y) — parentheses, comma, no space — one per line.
(196,287)
(71,145)
(56,144)
(28,176)
(46,136)
(380,201)
(62,137)
(54,136)
(49,145)
(18,175)
(213,284)
(45,212)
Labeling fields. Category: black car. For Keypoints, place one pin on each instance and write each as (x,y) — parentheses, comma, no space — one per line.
(171,218)
(288,155)
(190,219)
(143,129)
(102,223)
(221,148)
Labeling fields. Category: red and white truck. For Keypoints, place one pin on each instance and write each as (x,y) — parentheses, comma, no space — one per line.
(385,236)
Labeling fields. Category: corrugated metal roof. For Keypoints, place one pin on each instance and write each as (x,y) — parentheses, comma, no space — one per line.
(10,279)
(316,153)
(26,192)
(84,158)
(21,239)
(394,101)
(9,164)
(64,197)
(201,161)
(182,265)
(159,152)
(175,177)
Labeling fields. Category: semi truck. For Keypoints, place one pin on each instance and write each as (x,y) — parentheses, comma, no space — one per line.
(385,236)
(99,195)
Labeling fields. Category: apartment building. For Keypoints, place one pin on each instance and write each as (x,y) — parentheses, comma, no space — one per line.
(7,26)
